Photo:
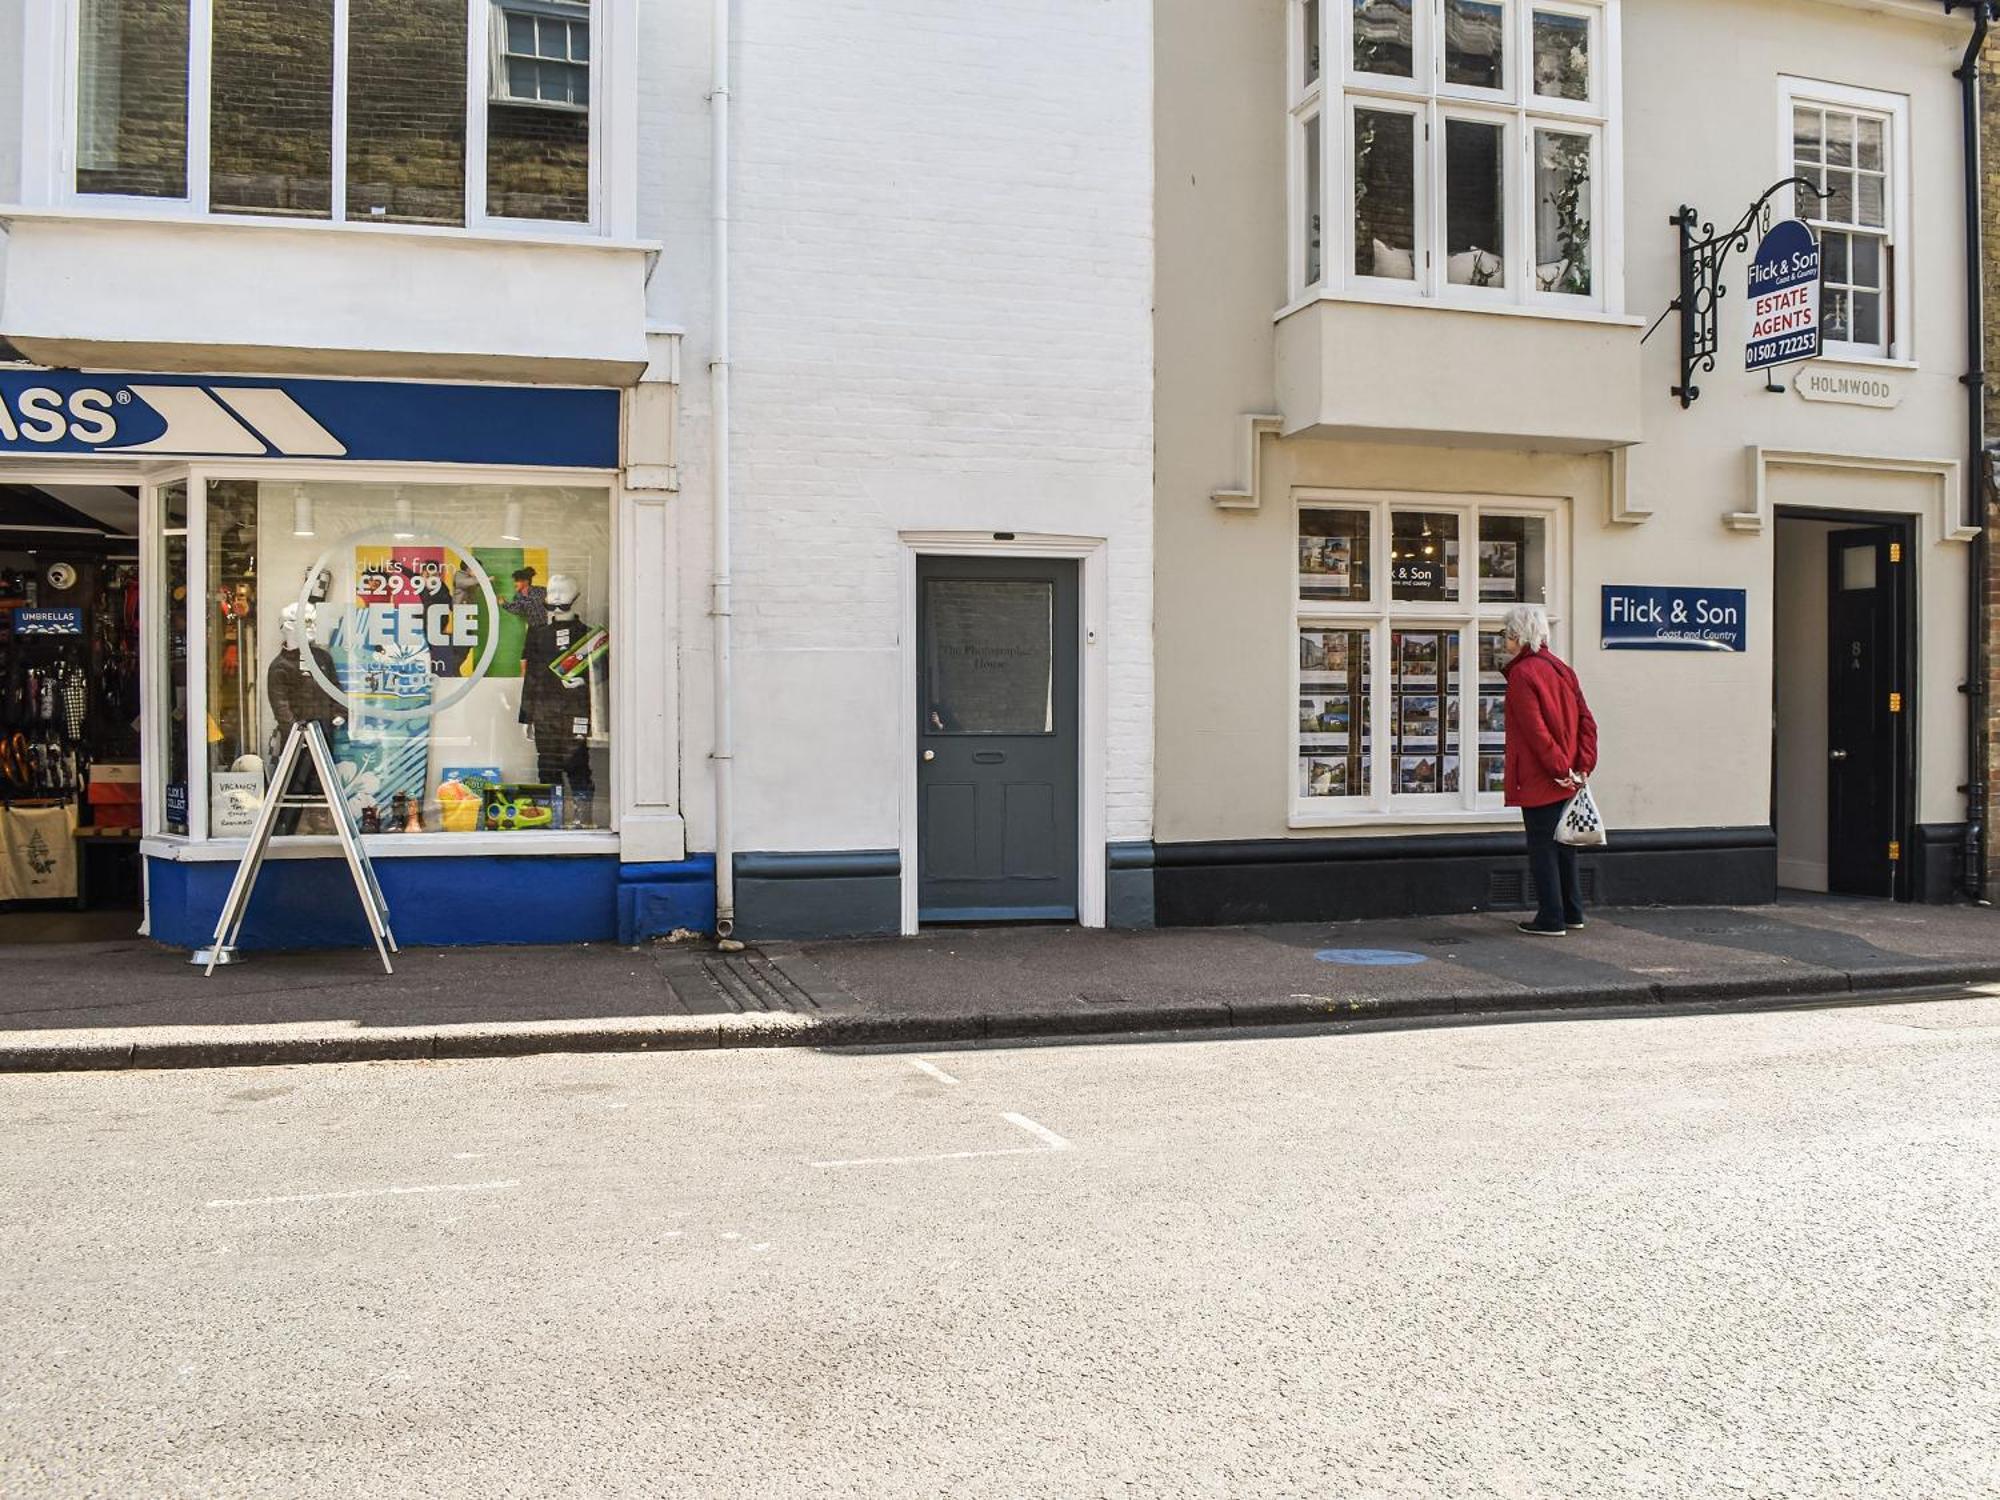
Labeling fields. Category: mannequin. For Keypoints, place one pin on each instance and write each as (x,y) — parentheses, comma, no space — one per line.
(295,698)
(557,713)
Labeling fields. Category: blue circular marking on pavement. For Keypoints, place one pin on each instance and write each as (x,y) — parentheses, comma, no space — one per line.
(1370,958)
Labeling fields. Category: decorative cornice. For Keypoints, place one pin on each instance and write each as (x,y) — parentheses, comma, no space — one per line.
(1255,429)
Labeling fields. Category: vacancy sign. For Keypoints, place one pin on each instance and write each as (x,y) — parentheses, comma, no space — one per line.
(1784,298)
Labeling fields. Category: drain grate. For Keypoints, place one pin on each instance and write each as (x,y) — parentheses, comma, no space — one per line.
(749,982)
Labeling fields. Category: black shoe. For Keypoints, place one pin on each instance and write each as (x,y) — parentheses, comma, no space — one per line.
(1537,930)
(1577,926)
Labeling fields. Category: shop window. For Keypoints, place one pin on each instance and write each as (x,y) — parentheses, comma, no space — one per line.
(1474,167)
(1851,151)
(1425,735)
(173,812)
(450,640)
(406,84)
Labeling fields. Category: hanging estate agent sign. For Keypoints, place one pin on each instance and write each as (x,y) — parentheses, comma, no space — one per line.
(1784,298)
(1648,617)
(46,412)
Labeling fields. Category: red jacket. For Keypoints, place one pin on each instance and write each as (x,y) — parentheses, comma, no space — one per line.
(1549,729)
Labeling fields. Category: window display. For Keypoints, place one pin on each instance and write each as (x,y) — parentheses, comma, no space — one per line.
(1439,729)
(451,638)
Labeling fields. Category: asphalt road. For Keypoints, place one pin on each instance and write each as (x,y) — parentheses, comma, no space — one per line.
(1743,1255)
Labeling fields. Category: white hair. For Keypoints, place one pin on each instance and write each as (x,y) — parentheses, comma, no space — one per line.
(1529,624)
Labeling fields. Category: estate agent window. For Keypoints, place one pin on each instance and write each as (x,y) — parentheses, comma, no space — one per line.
(368,111)
(450,639)
(1854,145)
(1401,600)
(1453,149)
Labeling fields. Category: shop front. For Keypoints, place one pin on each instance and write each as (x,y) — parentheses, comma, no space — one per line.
(425,571)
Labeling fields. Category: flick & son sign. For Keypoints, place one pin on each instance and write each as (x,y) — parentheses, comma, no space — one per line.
(1649,617)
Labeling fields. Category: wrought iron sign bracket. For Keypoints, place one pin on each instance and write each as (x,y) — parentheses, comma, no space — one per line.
(1704,255)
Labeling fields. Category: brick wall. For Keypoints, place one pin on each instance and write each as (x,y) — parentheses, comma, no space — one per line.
(537,163)
(1989,83)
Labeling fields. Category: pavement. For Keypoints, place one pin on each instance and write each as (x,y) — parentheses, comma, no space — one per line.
(120,1003)
(1596,1258)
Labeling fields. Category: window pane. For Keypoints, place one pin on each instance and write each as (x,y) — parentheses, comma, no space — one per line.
(1334,554)
(1334,682)
(1424,689)
(1474,38)
(1562,212)
(990,656)
(406,111)
(1562,55)
(1868,146)
(1867,317)
(538,153)
(470,670)
(1835,321)
(1867,261)
(1475,184)
(1313,219)
(174,670)
(1833,257)
(1492,727)
(271,103)
(1384,38)
(1839,140)
(1869,207)
(132,98)
(1423,555)
(1385,228)
(1513,560)
(1806,132)
(1840,207)
(1309,42)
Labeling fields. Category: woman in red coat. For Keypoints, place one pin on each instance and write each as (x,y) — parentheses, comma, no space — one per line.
(1551,750)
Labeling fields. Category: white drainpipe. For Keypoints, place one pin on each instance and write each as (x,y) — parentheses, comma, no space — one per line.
(723,755)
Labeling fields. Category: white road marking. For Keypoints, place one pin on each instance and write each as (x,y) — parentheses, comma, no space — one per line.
(1039,1132)
(1051,1142)
(933,1069)
(386,1192)
(761,1248)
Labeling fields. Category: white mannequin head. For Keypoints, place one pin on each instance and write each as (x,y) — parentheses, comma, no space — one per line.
(288,624)
(562,592)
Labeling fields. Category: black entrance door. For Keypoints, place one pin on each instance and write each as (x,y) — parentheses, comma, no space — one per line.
(996,739)
(1867,710)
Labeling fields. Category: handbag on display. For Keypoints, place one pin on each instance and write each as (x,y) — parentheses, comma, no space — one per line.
(1581,824)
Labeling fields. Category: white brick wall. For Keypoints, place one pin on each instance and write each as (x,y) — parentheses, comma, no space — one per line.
(10,100)
(942,269)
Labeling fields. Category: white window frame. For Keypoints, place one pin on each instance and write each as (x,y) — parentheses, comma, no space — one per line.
(1342,88)
(613,83)
(1900,346)
(1382,617)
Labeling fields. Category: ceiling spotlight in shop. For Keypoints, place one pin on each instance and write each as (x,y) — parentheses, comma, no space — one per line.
(511,531)
(406,520)
(302,515)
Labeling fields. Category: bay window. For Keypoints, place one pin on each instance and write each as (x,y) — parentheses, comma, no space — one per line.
(1469,164)
(1401,601)
(437,112)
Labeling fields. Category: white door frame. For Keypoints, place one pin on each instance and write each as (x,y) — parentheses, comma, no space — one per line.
(1093,690)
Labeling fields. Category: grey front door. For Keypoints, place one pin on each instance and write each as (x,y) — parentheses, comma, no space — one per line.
(996,739)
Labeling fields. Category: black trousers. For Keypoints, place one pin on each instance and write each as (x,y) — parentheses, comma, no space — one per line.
(1559,897)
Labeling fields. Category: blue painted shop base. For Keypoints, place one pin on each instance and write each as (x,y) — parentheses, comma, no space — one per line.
(450,901)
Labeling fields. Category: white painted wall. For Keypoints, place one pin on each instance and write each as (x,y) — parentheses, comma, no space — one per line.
(942,268)
(1687,739)
(1800,647)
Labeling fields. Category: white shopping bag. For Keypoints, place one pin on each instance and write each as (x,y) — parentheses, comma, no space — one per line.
(1582,825)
